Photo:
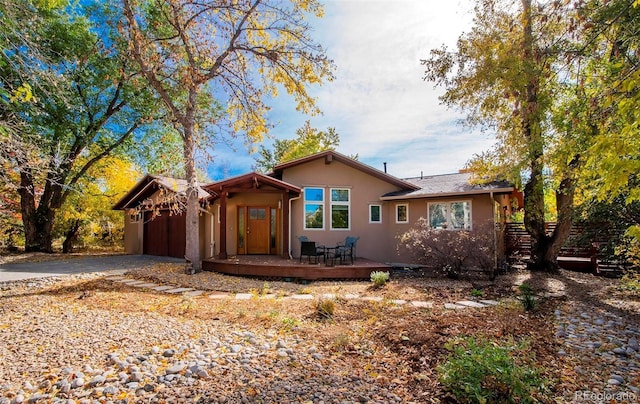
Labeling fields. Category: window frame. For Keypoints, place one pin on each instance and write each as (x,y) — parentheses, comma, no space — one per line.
(333,203)
(379,206)
(306,202)
(448,214)
(398,205)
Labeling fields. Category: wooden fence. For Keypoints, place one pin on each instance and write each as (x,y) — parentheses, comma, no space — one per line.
(586,249)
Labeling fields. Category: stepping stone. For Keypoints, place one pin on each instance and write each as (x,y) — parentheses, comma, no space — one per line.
(350,296)
(114,277)
(423,305)
(329,296)
(218,296)
(179,290)
(490,302)
(399,302)
(194,293)
(243,296)
(269,296)
(126,280)
(132,282)
(145,285)
(302,297)
(470,303)
(372,298)
(163,288)
(452,306)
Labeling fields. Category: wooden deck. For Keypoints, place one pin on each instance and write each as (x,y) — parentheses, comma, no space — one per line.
(271,266)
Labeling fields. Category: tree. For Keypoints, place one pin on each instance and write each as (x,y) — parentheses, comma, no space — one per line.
(612,83)
(70,124)
(86,216)
(212,64)
(507,73)
(308,141)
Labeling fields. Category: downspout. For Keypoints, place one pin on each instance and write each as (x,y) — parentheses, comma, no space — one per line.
(291,200)
(213,234)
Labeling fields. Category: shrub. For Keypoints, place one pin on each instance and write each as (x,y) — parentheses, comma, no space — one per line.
(379,278)
(483,371)
(325,308)
(527,297)
(453,251)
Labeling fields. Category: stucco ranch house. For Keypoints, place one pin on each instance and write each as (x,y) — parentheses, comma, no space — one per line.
(325,197)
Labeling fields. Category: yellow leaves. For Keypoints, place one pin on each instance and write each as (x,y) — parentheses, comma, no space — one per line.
(23,94)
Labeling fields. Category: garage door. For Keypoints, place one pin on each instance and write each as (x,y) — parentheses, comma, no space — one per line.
(165,235)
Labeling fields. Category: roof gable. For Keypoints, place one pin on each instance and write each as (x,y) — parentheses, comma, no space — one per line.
(149,185)
(330,156)
(249,182)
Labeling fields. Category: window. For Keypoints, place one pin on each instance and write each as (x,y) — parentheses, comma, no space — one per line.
(402,213)
(135,217)
(340,209)
(375,214)
(314,208)
(450,215)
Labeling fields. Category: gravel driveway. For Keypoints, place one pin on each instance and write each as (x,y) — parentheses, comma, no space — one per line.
(29,270)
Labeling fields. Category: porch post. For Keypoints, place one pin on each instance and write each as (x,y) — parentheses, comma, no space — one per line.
(285,225)
(223,226)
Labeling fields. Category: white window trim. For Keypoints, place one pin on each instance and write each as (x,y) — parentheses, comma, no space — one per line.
(304,208)
(340,203)
(136,217)
(396,212)
(448,216)
(379,206)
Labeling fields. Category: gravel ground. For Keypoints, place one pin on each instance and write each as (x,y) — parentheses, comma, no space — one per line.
(83,339)
(108,356)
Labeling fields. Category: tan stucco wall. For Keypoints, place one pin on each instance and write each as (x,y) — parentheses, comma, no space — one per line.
(375,240)
(132,235)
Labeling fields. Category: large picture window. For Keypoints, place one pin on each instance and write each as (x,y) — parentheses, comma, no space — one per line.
(314,208)
(340,209)
(450,215)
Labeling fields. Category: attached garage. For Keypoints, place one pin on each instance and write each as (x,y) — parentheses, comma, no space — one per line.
(164,235)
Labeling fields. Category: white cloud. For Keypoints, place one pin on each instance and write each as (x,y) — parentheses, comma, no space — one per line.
(379,104)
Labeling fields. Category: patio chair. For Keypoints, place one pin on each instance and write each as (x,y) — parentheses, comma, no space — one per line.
(310,249)
(347,249)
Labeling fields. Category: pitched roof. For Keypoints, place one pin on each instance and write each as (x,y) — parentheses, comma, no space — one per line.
(448,185)
(253,180)
(330,155)
(149,185)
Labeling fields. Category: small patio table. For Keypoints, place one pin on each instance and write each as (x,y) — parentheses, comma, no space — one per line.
(330,254)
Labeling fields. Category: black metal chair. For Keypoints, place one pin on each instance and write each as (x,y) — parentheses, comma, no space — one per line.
(347,249)
(310,249)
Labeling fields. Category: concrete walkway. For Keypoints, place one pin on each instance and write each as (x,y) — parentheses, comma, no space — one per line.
(462,304)
(106,263)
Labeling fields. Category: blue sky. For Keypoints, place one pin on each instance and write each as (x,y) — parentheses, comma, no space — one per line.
(378,103)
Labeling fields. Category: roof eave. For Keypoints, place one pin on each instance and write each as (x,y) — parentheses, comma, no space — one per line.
(448,194)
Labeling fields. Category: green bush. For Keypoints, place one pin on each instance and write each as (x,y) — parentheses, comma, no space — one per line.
(482,371)
(527,297)
(379,278)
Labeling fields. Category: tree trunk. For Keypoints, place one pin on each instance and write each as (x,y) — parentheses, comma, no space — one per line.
(192,247)
(71,236)
(38,222)
(28,211)
(541,257)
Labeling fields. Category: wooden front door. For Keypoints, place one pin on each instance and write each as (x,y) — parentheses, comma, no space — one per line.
(258,230)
